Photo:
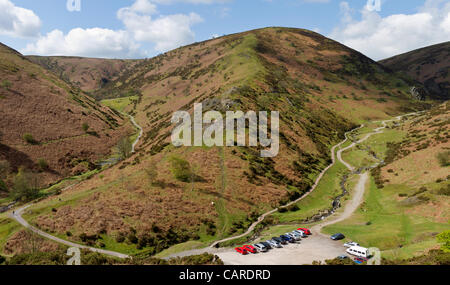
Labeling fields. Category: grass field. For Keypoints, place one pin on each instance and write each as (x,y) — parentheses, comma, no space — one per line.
(119,104)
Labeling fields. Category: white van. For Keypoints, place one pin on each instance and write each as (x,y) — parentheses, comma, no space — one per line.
(359,251)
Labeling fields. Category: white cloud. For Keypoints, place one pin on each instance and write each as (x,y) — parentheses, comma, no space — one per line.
(95,42)
(18,22)
(380,37)
(142,25)
(166,32)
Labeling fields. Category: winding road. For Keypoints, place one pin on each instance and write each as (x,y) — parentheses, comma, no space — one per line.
(17,214)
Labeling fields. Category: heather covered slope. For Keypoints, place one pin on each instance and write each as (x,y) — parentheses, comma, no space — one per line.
(165,195)
(89,74)
(429,66)
(46,125)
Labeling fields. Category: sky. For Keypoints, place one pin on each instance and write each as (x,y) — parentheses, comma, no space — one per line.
(145,28)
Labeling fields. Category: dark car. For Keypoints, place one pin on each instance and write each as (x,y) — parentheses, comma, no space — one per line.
(280,240)
(266,244)
(338,236)
(342,257)
(288,238)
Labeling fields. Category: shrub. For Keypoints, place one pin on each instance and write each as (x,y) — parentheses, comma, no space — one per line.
(29,138)
(6,84)
(444,238)
(444,158)
(43,165)
(3,187)
(26,186)
(124,148)
(181,169)
(2,259)
(85,127)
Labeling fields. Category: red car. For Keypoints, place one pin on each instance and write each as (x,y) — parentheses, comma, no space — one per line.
(305,230)
(241,250)
(250,248)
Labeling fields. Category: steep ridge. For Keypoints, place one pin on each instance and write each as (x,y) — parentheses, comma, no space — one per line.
(321,89)
(48,126)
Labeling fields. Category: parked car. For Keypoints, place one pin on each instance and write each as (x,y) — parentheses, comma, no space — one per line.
(337,236)
(295,237)
(305,230)
(288,238)
(274,243)
(280,240)
(266,244)
(301,233)
(260,247)
(342,257)
(250,248)
(350,244)
(241,250)
(360,260)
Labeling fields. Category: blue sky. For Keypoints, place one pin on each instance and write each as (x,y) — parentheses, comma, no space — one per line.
(144,28)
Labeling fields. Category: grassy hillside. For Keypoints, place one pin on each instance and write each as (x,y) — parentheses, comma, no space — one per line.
(321,88)
(88,74)
(429,66)
(47,126)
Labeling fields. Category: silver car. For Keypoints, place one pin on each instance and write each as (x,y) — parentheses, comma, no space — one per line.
(301,233)
(274,244)
(295,237)
(260,247)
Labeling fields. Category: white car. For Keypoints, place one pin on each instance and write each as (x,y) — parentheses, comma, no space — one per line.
(274,244)
(350,244)
(301,233)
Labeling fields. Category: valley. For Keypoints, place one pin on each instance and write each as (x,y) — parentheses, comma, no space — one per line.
(113,182)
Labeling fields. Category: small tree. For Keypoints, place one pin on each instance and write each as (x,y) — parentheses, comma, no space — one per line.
(124,148)
(85,127)
(4,168)
(29,138)
(26,186)
(43,165)
(152,172)
(181,169)
(445,239)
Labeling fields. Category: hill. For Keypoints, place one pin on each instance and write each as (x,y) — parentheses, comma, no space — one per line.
(89,74)
(429,66)
(48,126)
(165,195)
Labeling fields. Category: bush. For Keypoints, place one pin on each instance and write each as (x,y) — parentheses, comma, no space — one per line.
(85,127)
(444,238)
(124,147)
(3,187)
(444,158)
(2,259)
(29,138)
(26,186)
(6,84)
(181,169)
(43,165)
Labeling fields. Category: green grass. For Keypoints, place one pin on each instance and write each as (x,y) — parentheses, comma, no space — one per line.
(391,229)
(8,227)
(320,199)
(190,245)
(358,158)
(119,104)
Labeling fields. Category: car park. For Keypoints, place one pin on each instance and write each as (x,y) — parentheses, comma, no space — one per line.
(337,236)
(260,247)
(350,244)
(250,248)
(305,230)
(280,240)
(274,243)
(241,250)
